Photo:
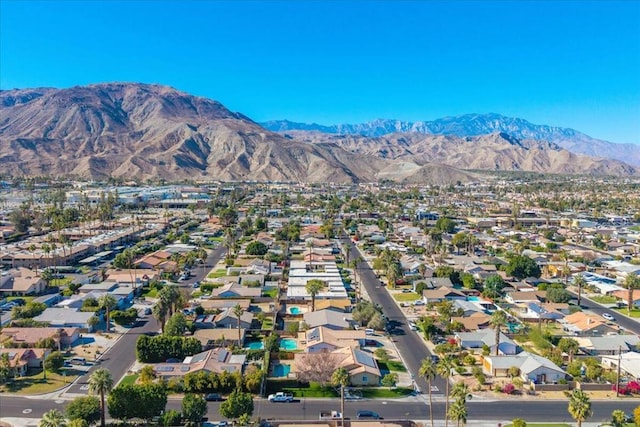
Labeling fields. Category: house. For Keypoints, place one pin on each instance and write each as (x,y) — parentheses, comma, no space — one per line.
(235,290)
(629,363)
(434,283)
(324,339)
(608,344)
(523,297)
(362,366)
(216,360)
(218,337)
(532,367)
(584,324)
(65,317)
(474,321)
(30,337)
(21,359)
(441,294)
(220,304)
(21,282)
(226,319)
(486,337)
(623,297)
(329,318)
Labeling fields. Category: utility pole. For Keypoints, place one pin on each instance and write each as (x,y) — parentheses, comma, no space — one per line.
(618,376)
(342,405)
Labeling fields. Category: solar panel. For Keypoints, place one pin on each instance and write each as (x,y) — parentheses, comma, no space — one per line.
(199,357)
(222,356)
(363,358)
(184,368)
(163,368)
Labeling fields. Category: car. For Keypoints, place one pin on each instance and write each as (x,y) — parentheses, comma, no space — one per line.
(413,326)
(419,302)
(213,397)
(281,396)
(147,311)
(608,317)
(368,415)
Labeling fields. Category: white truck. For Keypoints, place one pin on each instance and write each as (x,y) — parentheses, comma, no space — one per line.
(330,415)
(281,396)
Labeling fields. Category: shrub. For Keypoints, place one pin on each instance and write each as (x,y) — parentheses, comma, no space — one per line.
(509,389)
(497,388)
(171,418)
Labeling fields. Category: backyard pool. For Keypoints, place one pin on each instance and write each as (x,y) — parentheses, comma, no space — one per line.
(288,344)
(255,345)
(294,310)
(474,299)
(281,370)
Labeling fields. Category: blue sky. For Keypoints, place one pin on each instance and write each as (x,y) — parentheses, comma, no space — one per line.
(569,63)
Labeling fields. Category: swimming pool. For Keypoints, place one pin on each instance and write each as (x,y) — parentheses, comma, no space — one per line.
(288,344)
(474,299)
(281,370)
(255,345)
(295,310)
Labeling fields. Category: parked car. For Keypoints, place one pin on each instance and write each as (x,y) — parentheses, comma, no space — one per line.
(281,397)
(368,415)
(419,302)
(213,397)
(608,317)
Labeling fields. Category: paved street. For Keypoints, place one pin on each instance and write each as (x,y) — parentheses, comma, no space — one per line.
(627,323)
(308,409)
(410,345)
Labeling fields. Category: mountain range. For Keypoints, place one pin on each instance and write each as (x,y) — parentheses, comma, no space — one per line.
(143,131)
(475,125)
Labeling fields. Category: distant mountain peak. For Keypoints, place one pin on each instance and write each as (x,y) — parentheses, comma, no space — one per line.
(475,124)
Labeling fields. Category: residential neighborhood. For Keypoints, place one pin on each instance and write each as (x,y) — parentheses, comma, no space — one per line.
(282,288)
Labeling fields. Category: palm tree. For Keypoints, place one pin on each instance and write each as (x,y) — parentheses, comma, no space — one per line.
(497,321)
(159,312)
(460,391)
(237,311)
(312,287)
(579,281)
(53,418)
(108,303)
(443,368)
(579,406)
(101,383)
(170,297)
(428,371)
(632,282)
(458,412)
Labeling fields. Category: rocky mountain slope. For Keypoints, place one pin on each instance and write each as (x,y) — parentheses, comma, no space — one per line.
(143,131)
(475,125)
(150,131)
(493,152)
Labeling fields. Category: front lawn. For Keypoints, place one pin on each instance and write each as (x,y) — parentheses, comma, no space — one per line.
(129,379)
(267,324)
(300,390)
(65,281)
(604,299)
(36,384)
(221,272)
(405,296)
(634,313)
(150,293)
(385,393)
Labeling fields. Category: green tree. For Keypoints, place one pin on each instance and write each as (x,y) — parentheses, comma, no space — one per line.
(5,368)
(556,293)
(159,311)
(313,287)
(428,371)
(340,378)
(79,422)
(444,367)
(618,418)
(176,326)
(493,286)
(101,383)
(521,267)
(632,282)
(389,380)
(194,407)
(237,404)
(238,311)
(445,225)
(569,346)
(147,374)
(256,248)
(497,321)
(458,412)
(137,401)
(53,418)
(54,361)
(579,282)
(85,408)
(518,422)
(107,302)
(579,406)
